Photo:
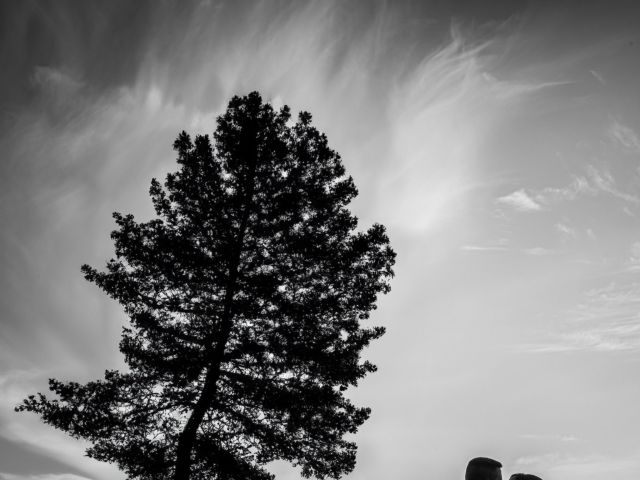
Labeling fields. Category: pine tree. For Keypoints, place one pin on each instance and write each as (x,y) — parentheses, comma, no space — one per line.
(245,298)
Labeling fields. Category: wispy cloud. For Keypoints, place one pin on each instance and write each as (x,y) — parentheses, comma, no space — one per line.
(598,76)
(607,320)
(532,251)
(482,248)
(520,200)
(498,245)
(624,136)
(436,104)
(578,186)
(55,79)
(539,251)
(550,437)
(633,261)
(580,467)
(505,89)
(48,476)
(565,230)
(595,181)
(14,383)
(603,181)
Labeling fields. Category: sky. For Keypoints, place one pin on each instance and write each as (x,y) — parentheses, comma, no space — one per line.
(498,141)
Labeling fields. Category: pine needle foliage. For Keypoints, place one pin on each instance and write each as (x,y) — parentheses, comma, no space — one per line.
(245,297)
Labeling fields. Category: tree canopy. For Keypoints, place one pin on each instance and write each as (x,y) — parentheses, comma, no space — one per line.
(245,297)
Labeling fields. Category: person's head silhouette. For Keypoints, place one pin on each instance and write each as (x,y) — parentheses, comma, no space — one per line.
(523,476)
(482,468)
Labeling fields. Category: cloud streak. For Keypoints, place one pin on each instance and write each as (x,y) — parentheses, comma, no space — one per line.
(520,201)
(594,182)
(624,137)
(581,467)
(63,476)
(607,320)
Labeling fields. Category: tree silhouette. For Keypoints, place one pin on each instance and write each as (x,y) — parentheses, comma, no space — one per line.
(245,298)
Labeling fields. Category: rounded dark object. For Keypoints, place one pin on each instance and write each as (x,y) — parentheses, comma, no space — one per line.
(483,468)
(523,476)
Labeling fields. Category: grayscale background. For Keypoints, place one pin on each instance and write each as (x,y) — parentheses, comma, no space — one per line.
(498,141)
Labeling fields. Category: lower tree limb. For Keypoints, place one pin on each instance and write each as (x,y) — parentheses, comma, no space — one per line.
(188,435)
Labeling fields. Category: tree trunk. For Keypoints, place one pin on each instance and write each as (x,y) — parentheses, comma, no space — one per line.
(188,435)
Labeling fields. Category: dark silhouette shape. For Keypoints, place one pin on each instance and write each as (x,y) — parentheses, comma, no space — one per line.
(523,476)
(482,468)
(245,298)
